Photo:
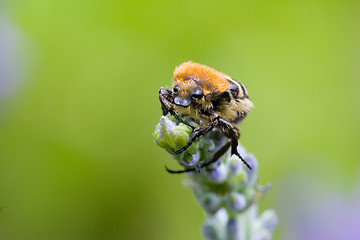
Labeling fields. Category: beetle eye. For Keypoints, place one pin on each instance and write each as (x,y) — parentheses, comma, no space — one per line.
(176,88)
(198,93)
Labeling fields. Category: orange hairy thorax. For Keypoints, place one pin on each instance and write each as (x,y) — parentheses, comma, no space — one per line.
(210,80)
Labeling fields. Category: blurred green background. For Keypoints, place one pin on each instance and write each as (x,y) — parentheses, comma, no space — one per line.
(79,105)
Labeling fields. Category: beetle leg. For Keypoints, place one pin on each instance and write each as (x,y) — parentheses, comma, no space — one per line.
(179,171)
(234,134)
(165,96)
(198,133)
(216,156)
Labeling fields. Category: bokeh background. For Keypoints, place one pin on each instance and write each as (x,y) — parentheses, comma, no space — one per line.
(78,105)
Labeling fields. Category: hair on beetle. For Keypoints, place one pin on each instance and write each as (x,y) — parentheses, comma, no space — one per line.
(209,96)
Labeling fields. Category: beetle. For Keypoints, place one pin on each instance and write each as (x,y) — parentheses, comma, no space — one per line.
(210,97)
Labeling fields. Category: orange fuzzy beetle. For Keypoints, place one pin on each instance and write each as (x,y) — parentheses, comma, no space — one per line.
(209,96)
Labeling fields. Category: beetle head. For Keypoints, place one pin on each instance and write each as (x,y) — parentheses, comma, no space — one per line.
(186,93)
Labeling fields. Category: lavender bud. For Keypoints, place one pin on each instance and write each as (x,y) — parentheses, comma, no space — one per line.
(235,165)
(210,232)
(237,201)
(222,216)
(233,230)
(252,173)
(212,229)
(167,137)
(269,219)
(262,235)
(190,160)
(242,151)
(210,146)
(218,174)
(210,202)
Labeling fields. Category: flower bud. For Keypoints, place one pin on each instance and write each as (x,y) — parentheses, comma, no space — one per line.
(233,230)
(235,165)
(213,228)
(269,219)
(190,160)
(252,173)
(262,235)
(218,174)
(210,202)
(210,232)
(237,201)
(168,137)
(222,216)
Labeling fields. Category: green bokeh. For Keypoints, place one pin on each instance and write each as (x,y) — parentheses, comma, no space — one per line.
(77,158)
